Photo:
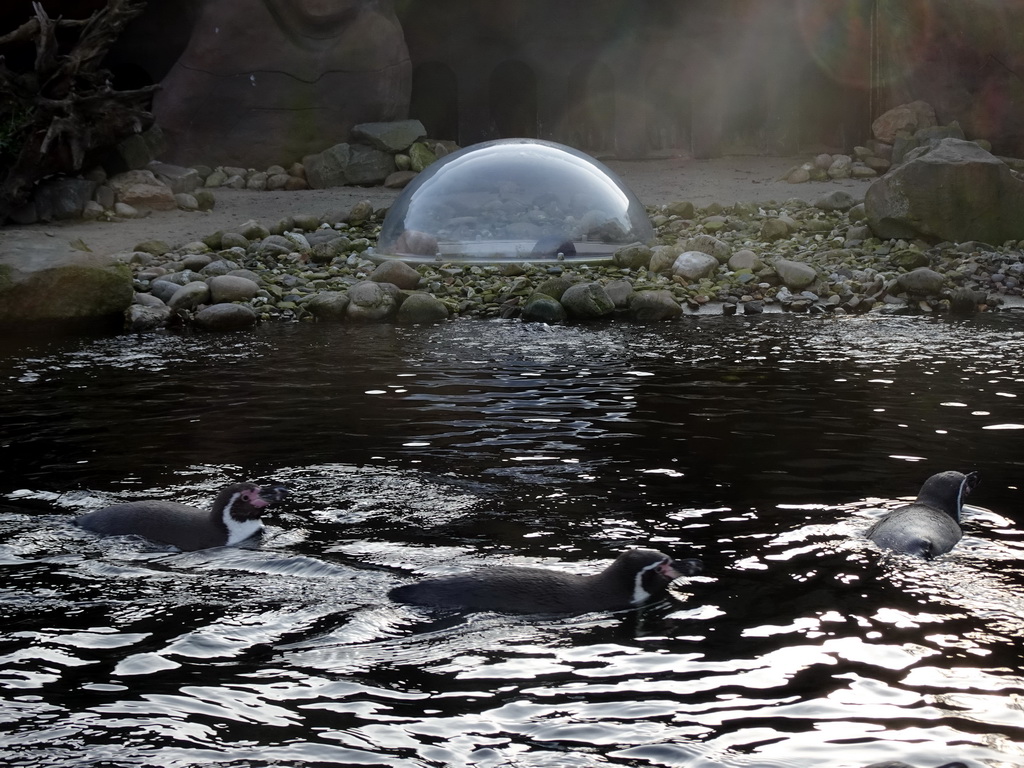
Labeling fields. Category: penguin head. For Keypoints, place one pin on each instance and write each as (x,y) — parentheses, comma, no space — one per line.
(947,491)
(652,571)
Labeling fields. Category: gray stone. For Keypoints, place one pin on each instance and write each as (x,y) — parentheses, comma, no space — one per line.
(257,182)
(141,318)
(745,259)
(693,265)
(228,288)
(397,273)
(225,318)
(555,287)
(328,306)
(186,202)
(654,306)
(370,301)
(682,208)
(795,275)
(904,119)
(47,279)
(347,164)
(163,289)
(360,212)
(953,191)
(233,240)
(61,199)
(148,300)
(710,245)
(663,257)
(774,229)
(542,308)
(205,198)
(837,200)
(587,301)
(219,267)
(421,308)
(92,211)
(178,178)
(619,291)
(399,179)
(921,282)
(216,178)
(633,256)
(840,168)
(141,189)
(190,296)
(392,137)
(276,245)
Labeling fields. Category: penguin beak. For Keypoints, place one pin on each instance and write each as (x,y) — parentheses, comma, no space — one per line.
(675,569)
(273,493)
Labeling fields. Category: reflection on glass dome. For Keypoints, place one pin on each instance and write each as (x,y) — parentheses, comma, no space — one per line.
(513,200)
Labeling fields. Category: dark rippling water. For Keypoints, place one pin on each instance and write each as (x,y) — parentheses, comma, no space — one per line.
(764,445)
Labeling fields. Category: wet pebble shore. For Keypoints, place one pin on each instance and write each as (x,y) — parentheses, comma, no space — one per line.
(774,256)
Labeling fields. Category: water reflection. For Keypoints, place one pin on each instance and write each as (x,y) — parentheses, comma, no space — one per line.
(763,446)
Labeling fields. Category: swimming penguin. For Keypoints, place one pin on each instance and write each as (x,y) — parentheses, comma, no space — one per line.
(235,517)
(931,525)
(636,576)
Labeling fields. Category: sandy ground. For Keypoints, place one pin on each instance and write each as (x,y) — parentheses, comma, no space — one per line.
(724,180)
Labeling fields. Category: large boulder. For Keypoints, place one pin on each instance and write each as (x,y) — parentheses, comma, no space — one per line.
(46,279)
(269,81)
(953,191)
(391,137)
(347,164)
(903,120)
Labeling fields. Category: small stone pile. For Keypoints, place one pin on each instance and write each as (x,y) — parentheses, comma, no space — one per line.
(895,133)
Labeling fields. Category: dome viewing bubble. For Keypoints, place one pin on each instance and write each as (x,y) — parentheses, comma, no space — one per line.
(513,200)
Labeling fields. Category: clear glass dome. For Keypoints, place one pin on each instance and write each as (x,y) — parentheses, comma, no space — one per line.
(513,200)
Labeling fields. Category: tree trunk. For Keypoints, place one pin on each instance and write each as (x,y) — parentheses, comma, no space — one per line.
(56,115)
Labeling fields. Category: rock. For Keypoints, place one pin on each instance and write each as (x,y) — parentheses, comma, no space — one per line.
(904,119)
(619,291)
(141,189)
(710,245)
(360,212)
(632,256)
(92,211)
(823,161)
(774,229)
(745,259)
(399,179)
(163,289)
(587,301)
(396,136)
(653,306)
(62,198)
(155,247)
(190,296)
(908,259)
(693,265)
(233,240)
(397,273)
(753,307)
(276,245)
(256,182)
(921,282)
(125,211)
(186,202)
(205,198)
(253,230)
(328,306)
(141,318)
(229,288)
(555,287)
(542,308)
(840,168)
(346,165)
(44,279)
(421,308)
(862,172)
(795,275)
(219,267)
(277,182)
(420,156)
(798,175)
(681,208)
(663,257)
(953,191)
(178,178)
(225,317)
(370,301)
(837,200)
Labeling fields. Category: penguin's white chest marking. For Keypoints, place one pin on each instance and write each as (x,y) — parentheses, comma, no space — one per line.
(239,530)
